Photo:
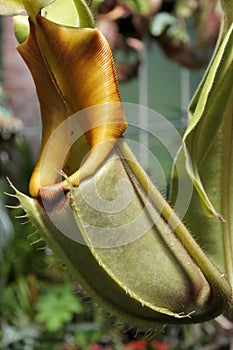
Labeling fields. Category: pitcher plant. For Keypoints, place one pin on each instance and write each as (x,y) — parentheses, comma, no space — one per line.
(91,201)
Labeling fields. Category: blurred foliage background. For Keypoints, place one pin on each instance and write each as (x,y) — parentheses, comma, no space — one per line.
(40,306)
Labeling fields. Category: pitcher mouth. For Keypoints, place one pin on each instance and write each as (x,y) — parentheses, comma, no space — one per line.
(54,178)
(65,161)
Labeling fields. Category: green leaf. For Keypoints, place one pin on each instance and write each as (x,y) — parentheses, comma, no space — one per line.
(207,156)
(207,113)
(57,306)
